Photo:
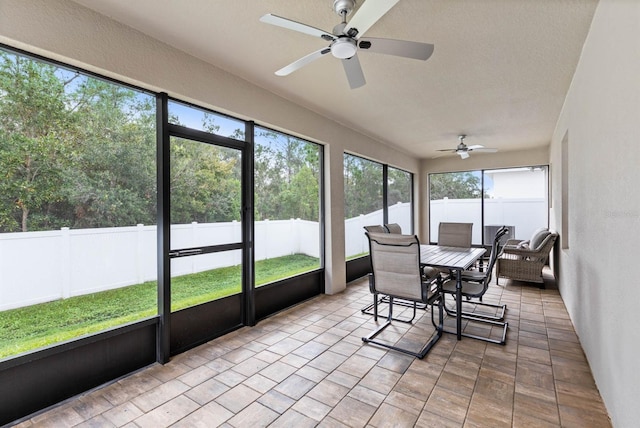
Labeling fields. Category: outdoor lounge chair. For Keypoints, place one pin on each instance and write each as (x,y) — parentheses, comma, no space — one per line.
(395,260)
(524,260)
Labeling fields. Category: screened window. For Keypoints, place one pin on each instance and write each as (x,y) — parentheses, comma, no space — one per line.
(365,193)
(514,197)
(77,200)
(204,120)
(399,197)
(287,205)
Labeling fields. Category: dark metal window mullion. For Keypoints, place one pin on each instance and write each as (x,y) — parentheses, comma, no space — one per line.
(163,222)
(248,253)
(385,189)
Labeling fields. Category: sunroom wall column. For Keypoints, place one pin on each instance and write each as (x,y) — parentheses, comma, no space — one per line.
(335,272)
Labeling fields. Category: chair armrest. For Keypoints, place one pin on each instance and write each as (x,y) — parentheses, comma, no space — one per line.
(513,242)
(542,252)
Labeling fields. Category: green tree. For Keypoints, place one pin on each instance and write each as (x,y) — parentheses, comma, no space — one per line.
(205,184)
(455,185)
(286,175)
(112,182)
(362,186)
(35,130)
(398,186)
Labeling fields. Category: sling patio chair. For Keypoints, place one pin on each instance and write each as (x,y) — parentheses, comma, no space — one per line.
(395,260)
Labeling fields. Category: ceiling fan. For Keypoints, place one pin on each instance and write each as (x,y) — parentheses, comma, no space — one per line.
(463,150)
(346,39)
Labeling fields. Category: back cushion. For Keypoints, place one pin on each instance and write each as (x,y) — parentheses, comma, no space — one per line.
(537,238)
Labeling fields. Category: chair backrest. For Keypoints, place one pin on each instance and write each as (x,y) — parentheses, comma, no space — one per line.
(376,228)
(455,234)
(496,249)
(395,261)
(393,228)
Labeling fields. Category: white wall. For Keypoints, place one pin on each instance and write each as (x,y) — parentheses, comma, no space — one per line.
(518,184)
(63,30)
(598,275)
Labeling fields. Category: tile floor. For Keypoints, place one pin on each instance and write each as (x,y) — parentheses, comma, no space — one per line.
(308,367)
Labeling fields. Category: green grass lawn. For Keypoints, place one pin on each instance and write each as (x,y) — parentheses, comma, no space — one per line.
(40,325)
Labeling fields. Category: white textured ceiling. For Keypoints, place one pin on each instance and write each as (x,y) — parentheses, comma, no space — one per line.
(499,73)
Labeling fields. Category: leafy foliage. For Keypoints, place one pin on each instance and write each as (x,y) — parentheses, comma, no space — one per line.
(362,186)
(80,152)
(287,177)
(455,185)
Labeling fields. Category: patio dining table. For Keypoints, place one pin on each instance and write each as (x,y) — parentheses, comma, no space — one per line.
(455,259)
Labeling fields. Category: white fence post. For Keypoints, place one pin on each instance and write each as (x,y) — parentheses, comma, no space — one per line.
(192,243)
(140,253)
(65,264)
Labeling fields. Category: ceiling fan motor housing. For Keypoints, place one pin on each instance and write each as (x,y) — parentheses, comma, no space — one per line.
(344,47)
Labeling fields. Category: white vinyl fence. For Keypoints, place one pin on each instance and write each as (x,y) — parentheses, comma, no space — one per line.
(354,238)
(37,267)
(525,215)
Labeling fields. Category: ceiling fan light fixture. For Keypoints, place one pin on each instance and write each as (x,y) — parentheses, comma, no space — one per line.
(343,48)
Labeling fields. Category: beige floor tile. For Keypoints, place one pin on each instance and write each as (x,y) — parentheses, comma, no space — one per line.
(276,401)
(259,383)
(388,416)
(311,408)
(122,414)
(307,366)
(292,418)
(357,365)
(91,405)
(367,396)
(255,415)
(580,417)
(380,379)
(207,391)
(278,371)
(237,398)
(328,392)
(406,403)
(295,386)
(207,416)
(533,407)
(352,412)
(415,385)
(328,361)
(168,413)
(431,420)
(159,395)
(197,376)
(230,378)
(448,404)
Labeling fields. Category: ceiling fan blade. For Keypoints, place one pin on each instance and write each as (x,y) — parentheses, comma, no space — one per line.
(296,26)
(404,48)
(484,150)
(368,14)
(284,71)
(475,147)
(352,68)
(446,150)
(463,155)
